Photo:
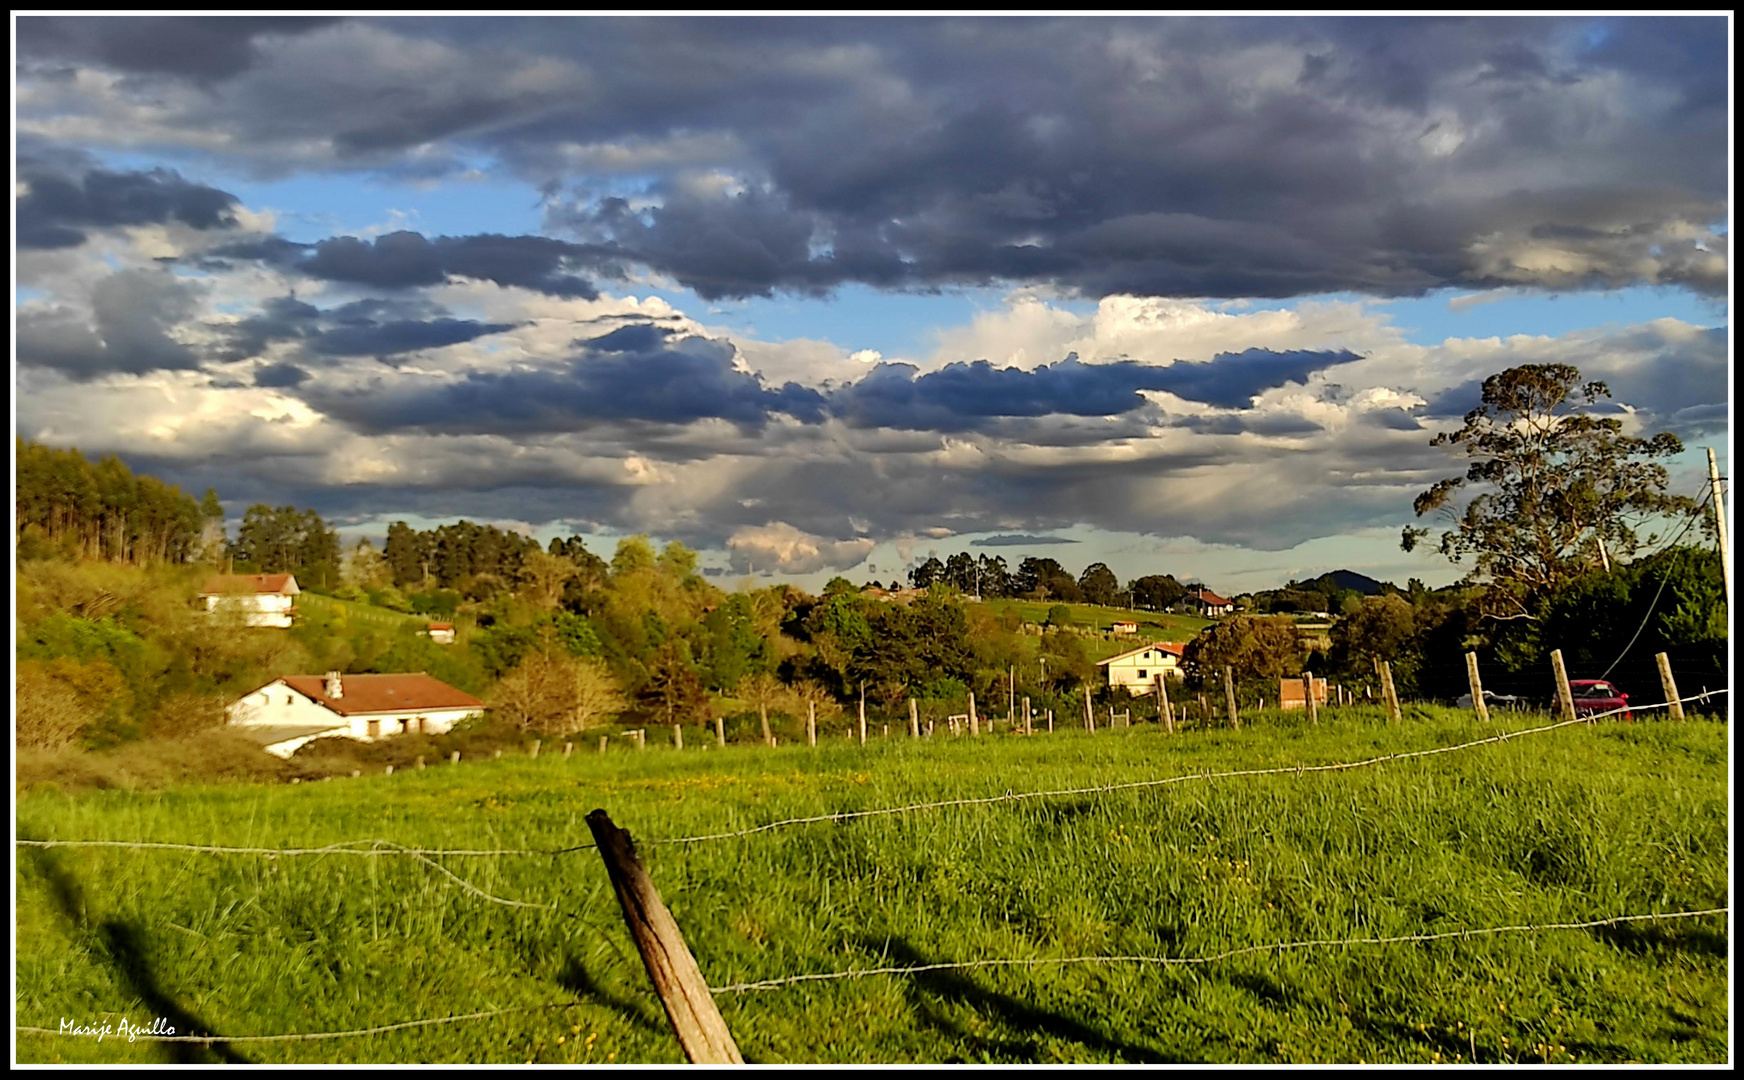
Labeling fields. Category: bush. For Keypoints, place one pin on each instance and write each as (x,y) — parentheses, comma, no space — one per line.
(1059,615)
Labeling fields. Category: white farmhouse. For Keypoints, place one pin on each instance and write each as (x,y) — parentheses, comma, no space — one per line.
(1137,669)
(288,712)
(262,599)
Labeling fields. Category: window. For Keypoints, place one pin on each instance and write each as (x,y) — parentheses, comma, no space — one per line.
(1142,673)
(374,728)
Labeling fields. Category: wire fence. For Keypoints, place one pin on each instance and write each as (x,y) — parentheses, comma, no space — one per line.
(376,848)
(918,969)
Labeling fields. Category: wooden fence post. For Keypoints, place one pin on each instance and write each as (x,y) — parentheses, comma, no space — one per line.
(1308,688)
(913,719)
(1028,727)
(1050,721)
(418,764)
(1165,711)
(604,739)
(568,748)
(763,717)
(1011,695)
(1565,698)
(678,736)
(1229,696)
(641,738)
(497,753)
(389,772)
(454,758)
(811,723)
(1388,693)
(862,714)
(1089,716)
(535,751)
(1669,685)
(678,982)
(974,720)
(721,732)
(1479,705)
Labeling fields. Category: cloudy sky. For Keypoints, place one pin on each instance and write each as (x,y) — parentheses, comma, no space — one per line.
(824,295)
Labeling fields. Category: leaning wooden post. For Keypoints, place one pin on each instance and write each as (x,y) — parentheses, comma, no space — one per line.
(763,716)
(862,714)
(678,982)
(678,736)
(974,720)
(1229,696)
(1564,697)
(913,719)
(721,732)
(1670,686)
(1390,695)
(811,723)
(1308,691)
(1479,705)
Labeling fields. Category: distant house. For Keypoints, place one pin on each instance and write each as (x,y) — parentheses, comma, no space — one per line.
(1124,628)
(1207,603)
(288,712)
(262,599)
(442,633)
(1137,669)
(1292,694)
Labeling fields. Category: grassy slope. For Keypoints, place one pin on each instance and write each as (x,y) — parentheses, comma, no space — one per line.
(354,611)
(1575,824)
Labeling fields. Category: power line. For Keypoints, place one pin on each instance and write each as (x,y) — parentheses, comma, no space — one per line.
(1664,578)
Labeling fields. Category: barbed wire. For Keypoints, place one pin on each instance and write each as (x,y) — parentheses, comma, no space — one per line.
(389,847)
(914,969)
(1282,770)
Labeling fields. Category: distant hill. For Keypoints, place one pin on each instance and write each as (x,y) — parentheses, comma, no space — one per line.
(1362,583)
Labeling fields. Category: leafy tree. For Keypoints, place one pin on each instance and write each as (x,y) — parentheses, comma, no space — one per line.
(1260,650)
(553,693)
(544,577)
(1560,489)
(673,689)
(960,573)
(1098,584)
(995,580)
(1157,592)
(924,575)
(1059,615)
(1380,628)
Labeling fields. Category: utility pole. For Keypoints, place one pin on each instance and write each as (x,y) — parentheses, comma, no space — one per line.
(1720,525)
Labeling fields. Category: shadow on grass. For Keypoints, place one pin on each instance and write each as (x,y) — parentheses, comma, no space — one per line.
(1683,935)
(929,988)
(122,943)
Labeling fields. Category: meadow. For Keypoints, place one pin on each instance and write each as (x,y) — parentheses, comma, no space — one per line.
(1566,826)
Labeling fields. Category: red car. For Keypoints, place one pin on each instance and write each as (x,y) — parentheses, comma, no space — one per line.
(1597,696)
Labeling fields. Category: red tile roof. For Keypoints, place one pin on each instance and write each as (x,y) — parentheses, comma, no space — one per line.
(1206,596)
(233,584)
(384,693)
(441,626)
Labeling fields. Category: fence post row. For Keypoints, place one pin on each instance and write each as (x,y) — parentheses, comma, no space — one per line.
(1565,697)
(678,982)
(1669,685)
(1479,705)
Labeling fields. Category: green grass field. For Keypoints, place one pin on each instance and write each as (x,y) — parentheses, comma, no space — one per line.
(355,611)
(1571,825)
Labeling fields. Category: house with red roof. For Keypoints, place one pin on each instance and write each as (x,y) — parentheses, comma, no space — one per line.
(1138,669)
(261,599)
(1207,603)
(289,712)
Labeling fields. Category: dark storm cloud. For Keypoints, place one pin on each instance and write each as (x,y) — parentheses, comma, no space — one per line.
(199,48)
(61,203)
(612,379)
(275,376)
(961,397)
(125,332)
(370,327)
(1180,156)
(405,260)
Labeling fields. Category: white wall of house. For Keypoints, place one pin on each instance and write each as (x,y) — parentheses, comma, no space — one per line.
(277,705)
(259,609)
(1136,672)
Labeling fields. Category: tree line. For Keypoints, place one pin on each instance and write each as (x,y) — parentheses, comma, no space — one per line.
(68,504)
(1045,579)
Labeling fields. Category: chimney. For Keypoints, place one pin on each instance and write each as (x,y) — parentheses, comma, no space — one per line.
(335,688)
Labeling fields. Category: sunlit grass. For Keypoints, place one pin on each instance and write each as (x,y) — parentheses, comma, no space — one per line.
(1575,824)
